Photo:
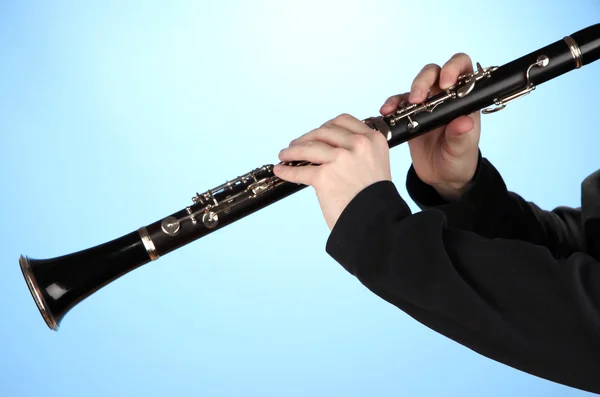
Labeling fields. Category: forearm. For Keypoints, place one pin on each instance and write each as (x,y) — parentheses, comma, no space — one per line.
(508,300)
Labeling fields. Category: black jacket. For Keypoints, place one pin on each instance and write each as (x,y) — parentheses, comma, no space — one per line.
(492,271)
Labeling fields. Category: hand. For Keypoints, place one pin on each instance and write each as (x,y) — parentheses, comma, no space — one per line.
(351,156)
(445,158)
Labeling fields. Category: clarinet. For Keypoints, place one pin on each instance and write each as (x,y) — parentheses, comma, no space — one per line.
(58,284)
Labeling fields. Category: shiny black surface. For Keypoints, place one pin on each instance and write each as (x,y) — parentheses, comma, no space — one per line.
(66,280)
(588,40)
(189,232)
(506,80)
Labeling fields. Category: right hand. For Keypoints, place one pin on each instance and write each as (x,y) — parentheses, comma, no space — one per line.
(445,158)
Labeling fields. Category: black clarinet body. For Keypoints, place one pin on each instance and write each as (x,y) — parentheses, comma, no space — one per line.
(60,283)
(491,89)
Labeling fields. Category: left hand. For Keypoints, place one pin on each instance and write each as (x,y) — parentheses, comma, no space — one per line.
(351,156)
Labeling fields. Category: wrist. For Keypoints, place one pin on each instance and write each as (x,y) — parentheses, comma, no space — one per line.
(453,192)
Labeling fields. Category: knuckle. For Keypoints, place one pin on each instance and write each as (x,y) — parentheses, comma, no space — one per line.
(300,149)
(419,84)
(360,142)
(324,130)
(450,65)
(339,153)
(343,117)
(393,98)
(396,99)
(427,76)
(431,67)
(457,62)
(461,55)
(378,138)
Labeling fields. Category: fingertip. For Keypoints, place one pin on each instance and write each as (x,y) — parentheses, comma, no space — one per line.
(459,63)
(278,169)
(391,102)
(448,77)
(282,154)
(385,109)
(447,82)
(420,94)
(467,123)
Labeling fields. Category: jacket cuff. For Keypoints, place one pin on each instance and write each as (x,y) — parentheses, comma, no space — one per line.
(377,203)
(488,191)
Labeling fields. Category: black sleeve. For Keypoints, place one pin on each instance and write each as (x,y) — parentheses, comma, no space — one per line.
(509,300)
(490,210)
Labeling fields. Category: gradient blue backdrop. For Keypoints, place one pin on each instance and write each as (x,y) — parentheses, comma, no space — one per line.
(113,114)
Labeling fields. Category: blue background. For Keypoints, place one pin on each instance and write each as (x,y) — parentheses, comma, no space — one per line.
(113,114)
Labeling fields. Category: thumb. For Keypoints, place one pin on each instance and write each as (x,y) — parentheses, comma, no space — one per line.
(457,131)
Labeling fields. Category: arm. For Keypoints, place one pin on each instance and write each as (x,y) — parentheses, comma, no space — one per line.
(491,211)
(508,300)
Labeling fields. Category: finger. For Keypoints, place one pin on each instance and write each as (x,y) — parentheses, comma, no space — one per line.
(459,64)
(391,104)
(304,175)
(336,132)
(457,133)
(330,134)
(313,151)
(425,80)
(459,126)
(349,123)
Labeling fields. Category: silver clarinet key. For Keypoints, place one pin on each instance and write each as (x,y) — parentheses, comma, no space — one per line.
(170,226)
